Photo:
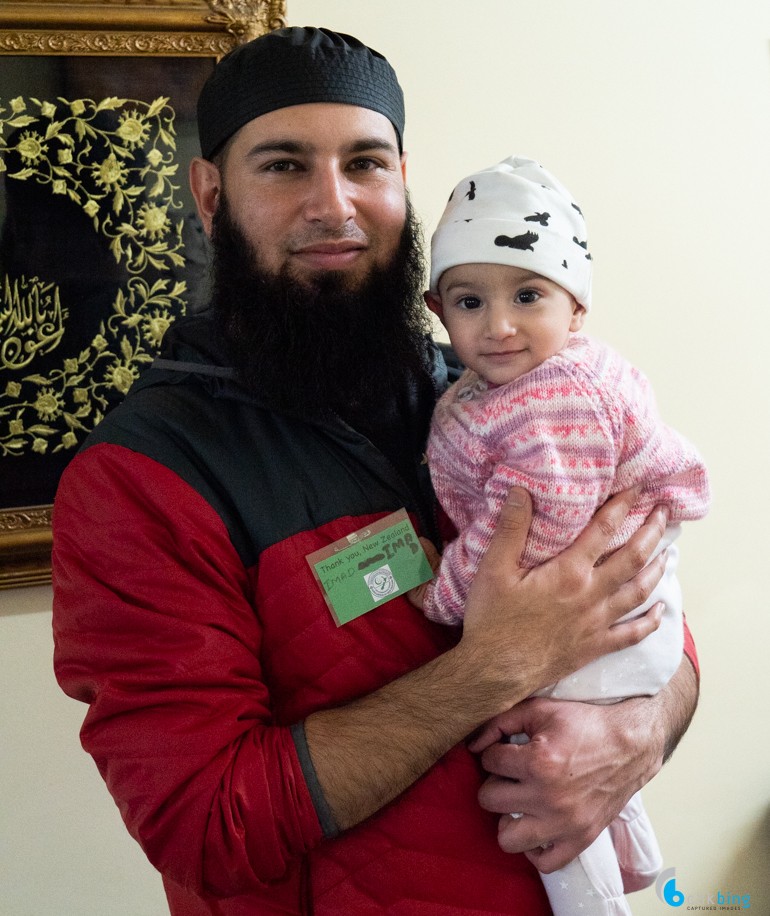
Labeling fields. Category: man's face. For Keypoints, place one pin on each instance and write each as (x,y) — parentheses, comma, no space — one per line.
(318,188)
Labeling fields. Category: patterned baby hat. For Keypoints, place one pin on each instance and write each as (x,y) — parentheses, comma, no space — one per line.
(515,213)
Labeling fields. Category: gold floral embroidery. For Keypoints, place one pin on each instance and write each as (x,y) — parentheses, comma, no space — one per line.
(115,159)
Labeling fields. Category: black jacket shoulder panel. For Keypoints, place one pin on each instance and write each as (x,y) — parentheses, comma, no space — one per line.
(268,475)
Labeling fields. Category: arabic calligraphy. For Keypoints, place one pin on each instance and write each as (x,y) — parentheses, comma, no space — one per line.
(31,320)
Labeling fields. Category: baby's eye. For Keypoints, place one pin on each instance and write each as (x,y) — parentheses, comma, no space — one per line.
(469,302)
(527,296)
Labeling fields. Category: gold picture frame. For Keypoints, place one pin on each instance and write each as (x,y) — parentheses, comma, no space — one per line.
(96,44)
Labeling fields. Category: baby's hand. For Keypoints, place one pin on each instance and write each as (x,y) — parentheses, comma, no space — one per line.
(417,595)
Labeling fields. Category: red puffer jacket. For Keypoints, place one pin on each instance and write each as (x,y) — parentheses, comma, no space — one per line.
(187,618)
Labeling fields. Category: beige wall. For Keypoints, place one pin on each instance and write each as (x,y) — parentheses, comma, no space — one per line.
(657,117)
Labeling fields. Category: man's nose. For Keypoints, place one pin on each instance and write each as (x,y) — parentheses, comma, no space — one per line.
(329,198)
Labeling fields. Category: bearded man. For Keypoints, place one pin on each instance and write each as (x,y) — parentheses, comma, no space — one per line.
(267,759)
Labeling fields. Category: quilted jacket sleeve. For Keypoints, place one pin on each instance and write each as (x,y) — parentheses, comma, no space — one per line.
(155,629)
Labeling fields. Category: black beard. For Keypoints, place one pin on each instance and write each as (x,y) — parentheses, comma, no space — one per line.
(321,346)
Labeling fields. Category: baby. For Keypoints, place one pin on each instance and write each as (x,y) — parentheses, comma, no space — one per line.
(546,408)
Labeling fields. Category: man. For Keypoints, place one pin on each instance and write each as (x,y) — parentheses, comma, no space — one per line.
(267,760)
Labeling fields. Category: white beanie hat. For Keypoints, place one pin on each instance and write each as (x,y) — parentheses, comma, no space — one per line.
(515,213)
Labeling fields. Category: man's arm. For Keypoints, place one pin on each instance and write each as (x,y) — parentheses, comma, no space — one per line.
(581,766)
(155,629)
(523,629)
(676,706)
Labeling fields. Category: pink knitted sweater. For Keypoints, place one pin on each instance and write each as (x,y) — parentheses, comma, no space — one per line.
(581,426)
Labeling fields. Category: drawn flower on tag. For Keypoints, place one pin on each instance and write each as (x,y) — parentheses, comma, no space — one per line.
(381,583)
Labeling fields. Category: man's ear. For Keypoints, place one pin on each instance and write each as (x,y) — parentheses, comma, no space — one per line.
(434,304)
(206,186)
(403,165)
(578,317)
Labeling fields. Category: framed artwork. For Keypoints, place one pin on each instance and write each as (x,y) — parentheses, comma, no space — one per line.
(100,246)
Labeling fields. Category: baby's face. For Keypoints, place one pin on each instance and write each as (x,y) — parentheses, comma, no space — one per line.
(504,321)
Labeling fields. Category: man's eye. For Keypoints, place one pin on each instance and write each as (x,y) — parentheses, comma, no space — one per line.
(363,164)
(469,302)
(282,165)
(527,296)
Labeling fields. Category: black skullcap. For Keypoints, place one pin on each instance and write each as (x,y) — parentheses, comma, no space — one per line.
(292,67)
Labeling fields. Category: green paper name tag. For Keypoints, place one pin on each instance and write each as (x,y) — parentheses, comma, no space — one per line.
(370,566)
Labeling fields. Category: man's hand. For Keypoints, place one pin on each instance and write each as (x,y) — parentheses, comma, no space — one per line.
(417,594)
(535,626)
(582,764)
(523,629)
